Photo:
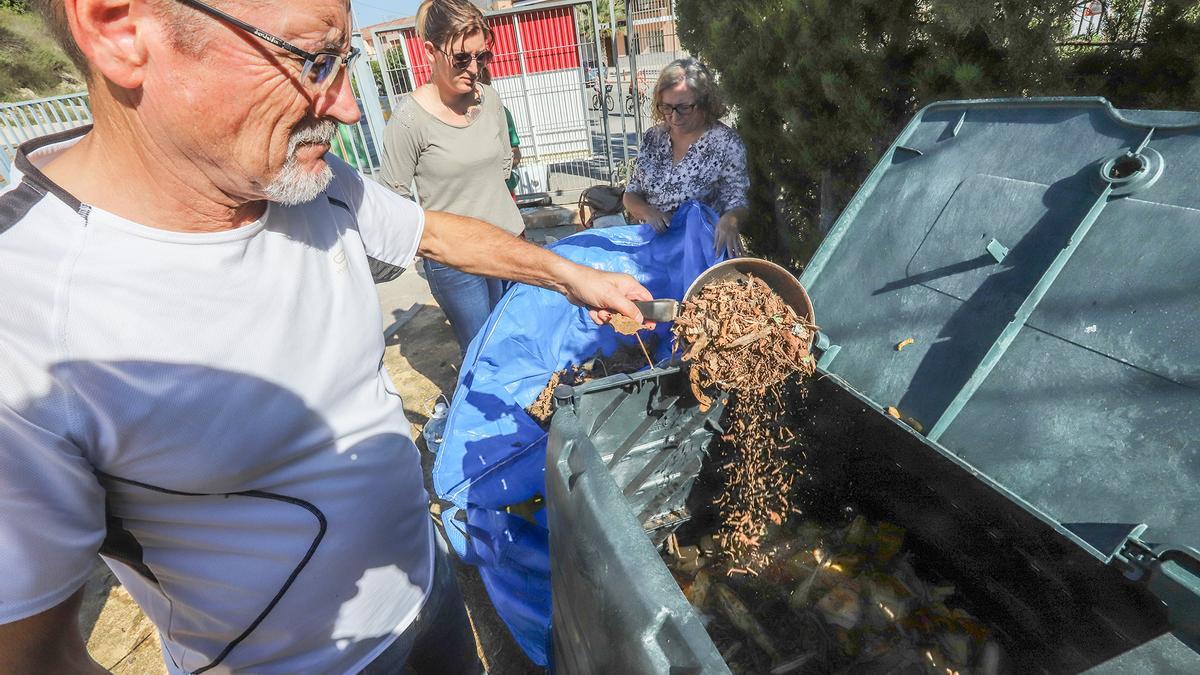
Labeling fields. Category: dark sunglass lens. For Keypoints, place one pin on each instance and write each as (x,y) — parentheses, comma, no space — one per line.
(461,60)
(484,58)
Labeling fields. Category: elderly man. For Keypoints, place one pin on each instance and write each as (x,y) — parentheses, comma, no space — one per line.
(192,379)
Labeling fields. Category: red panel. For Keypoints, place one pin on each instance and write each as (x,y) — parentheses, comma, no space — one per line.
(548,36)
(505,47)
(545,41)
(419,67)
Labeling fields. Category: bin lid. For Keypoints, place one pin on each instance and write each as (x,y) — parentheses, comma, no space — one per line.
(1043,255)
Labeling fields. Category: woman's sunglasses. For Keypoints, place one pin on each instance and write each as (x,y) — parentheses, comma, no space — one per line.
(462,60)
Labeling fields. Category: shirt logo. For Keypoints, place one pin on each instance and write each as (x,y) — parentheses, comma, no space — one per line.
(339,257)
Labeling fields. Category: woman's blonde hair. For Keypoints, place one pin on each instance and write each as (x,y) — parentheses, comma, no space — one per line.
(699,80)
(443,22)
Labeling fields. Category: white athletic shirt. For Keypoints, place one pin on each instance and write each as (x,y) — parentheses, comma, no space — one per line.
(217,404)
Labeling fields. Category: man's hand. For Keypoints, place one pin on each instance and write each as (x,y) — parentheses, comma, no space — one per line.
(727,237)
(604,293)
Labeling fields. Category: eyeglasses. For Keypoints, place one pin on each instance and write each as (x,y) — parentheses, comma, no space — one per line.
(321,69)
(683,109)
(462,60)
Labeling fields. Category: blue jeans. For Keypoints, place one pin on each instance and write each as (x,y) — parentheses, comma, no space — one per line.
(465,299)
(440,640)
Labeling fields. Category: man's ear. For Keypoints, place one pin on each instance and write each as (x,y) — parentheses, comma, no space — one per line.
(108,33)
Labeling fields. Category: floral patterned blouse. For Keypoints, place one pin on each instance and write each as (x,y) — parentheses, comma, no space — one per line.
(712,172)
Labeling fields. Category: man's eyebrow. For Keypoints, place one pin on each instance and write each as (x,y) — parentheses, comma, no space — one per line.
(334,41)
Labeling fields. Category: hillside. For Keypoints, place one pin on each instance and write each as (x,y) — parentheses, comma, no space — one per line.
(31,64)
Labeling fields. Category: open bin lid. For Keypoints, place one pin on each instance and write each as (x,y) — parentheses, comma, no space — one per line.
(1044,257)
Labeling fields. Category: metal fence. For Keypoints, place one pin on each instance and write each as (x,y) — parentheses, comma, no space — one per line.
(26,120)
(1108,23)
(651,42)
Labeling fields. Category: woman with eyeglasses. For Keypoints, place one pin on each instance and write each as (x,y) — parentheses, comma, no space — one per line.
(449,138)
(690,155)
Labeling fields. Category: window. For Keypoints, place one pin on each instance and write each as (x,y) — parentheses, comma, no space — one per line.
(654,40)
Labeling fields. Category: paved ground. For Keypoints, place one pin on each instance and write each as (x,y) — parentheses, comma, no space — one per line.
(422,357)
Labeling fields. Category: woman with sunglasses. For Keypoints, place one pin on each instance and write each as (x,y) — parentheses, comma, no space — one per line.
(690,155)
(450,140)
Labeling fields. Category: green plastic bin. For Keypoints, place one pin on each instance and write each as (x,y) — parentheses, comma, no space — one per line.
(1044,257)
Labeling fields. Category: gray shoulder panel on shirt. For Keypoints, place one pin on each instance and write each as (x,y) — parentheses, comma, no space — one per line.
(17,203)
(383,272)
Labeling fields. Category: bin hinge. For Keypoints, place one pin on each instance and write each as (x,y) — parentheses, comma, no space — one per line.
(1172,574)
(829,351)
(999,251)
(564,395)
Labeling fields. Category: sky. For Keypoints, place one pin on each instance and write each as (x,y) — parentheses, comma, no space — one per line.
(367,12)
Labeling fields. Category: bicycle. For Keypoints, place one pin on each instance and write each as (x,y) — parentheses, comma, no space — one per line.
(641,99)
(609,103)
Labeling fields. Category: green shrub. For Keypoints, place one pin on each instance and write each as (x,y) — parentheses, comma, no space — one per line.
(821,87)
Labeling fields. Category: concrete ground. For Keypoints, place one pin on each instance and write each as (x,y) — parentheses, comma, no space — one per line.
(423,359)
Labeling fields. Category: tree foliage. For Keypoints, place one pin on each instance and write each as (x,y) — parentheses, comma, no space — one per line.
(821,87)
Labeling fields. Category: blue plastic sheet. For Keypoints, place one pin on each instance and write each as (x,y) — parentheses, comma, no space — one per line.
(494,454)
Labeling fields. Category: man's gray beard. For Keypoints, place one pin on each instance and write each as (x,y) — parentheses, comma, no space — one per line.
(295,184)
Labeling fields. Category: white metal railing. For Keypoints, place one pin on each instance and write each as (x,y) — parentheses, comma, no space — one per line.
(26,120)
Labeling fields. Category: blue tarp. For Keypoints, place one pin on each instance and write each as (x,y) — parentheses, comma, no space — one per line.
(494,454)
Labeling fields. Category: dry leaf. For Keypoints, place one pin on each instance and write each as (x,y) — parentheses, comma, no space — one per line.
(624,325)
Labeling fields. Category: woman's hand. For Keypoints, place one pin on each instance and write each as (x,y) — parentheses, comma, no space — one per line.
(516,154)
(654,218)
(642,212)
(727,237)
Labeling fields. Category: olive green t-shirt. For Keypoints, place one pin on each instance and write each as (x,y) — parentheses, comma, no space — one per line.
(456,169)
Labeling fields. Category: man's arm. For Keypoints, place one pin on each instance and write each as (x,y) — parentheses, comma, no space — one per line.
(49,642)
(476,247)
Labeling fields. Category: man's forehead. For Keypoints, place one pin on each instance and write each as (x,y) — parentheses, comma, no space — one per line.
(324,21)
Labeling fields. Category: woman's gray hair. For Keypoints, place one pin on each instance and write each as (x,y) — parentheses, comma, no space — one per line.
(699,80)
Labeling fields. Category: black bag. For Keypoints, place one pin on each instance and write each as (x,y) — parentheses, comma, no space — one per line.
(599,200)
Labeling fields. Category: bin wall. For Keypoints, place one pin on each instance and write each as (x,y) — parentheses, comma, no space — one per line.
(616,608)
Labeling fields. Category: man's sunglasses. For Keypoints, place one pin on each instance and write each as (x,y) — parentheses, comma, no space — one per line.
(683,109)
(321,69)
(462,60)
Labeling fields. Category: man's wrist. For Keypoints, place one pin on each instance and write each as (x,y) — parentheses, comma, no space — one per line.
(560,272)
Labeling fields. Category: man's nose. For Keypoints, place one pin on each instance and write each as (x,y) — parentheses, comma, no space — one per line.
(338,101)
